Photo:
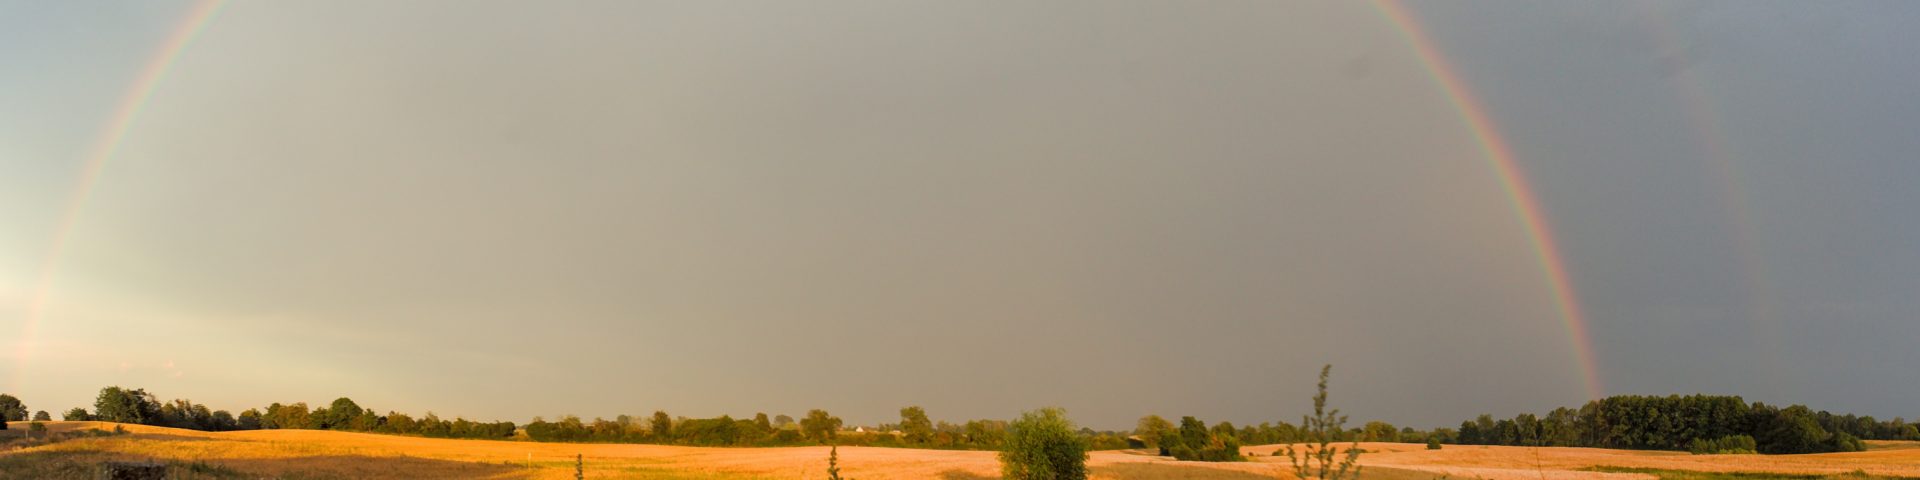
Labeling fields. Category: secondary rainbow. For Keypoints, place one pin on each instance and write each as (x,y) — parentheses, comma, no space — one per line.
(102,150)
(1514,180)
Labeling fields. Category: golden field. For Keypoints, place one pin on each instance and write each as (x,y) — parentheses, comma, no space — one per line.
(307,454)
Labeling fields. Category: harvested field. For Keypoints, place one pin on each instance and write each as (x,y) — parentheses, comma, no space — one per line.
(325,454)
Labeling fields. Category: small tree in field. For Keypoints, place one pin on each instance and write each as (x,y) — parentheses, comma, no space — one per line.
(1042,445)
(833,464)
(1317,458)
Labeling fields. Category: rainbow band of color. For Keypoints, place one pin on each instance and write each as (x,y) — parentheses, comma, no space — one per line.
(102,150)
(1525,204)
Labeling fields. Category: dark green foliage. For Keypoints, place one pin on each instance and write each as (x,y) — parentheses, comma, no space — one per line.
(1193,441)
(986,433)
(708,431)
(340,414)
(1042,445)
(1692,423)
(42,416)
(662,426)
(1154,430)
(819,426)
(121,405)
(76,414)
(915,425)
(11,409)
(1733,444)
(1433,443)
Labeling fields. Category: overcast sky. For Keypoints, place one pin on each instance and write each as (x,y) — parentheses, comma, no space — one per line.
(506,209)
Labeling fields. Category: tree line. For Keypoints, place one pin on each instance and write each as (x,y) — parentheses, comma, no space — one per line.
(137,406)
(915,429)
(1699,423)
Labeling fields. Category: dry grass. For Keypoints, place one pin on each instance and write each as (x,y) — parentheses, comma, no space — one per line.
(315,454)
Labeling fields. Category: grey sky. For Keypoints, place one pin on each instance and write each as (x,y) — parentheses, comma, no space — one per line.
(501,210)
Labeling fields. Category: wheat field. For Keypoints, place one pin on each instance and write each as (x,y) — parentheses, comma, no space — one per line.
(307,454)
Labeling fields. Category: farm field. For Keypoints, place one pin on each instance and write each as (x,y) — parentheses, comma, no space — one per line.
(309,454)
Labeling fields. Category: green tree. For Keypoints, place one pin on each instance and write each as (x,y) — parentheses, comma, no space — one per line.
(11,409)
(1378,431)
(249,420)
(1193,433)
(1042,445)
(121,405)
(340,414)
(761,422)
(1153,430)
(76,414)
(1317,458)
(42,416)
(1793,430)
(662,427)
(819,425)
(916,426)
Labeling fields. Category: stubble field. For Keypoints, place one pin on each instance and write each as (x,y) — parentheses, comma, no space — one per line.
(306,454)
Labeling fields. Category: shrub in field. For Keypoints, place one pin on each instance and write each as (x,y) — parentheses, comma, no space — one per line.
(1042,445)
(1317,458)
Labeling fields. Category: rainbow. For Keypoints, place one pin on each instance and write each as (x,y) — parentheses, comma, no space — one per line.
(1525,204)
(96,158)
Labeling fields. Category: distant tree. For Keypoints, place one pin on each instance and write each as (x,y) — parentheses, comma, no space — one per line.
(1193,433)
(76,414)
(782,421)
(11,409)
(399,423)
(366,421)
(916,426)
(340,414)
(986,433)
(1153,430)
(42,416)
(662,427)
(222,421)
(249,420)
(121,405)
(295,416)
(1793,430)
(1042,445)
(1433,442)
(1316,459)
(1378,431)
(760,422)
(819,425)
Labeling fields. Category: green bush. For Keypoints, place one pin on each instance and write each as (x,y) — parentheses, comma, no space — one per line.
(1433,443)
(1042,445)
(1731,444)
